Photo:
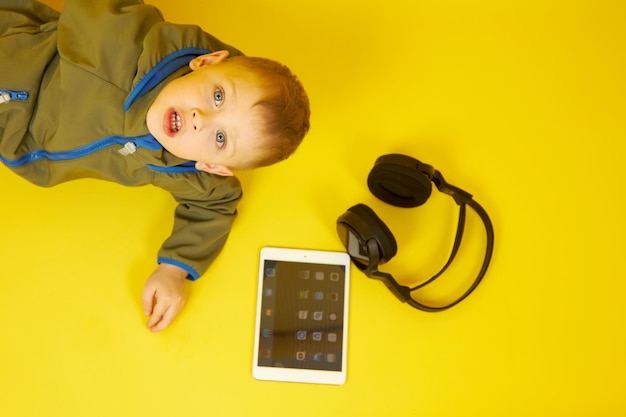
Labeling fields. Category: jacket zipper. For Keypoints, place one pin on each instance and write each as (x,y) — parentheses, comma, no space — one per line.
(128,143)
(129,146)
(10,95)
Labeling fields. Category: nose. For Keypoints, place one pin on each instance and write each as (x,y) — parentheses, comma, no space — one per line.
(200,119)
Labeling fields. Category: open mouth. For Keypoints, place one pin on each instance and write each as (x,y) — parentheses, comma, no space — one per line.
(172,122)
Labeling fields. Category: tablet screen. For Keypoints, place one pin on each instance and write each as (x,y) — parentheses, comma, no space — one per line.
(301,322)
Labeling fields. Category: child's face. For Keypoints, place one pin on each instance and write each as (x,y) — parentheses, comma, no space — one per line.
(208,115)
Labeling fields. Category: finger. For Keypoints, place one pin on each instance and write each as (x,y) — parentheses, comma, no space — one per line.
(147,299)
(159,309)
(167,318)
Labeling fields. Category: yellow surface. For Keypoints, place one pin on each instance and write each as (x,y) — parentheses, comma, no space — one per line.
(521,103)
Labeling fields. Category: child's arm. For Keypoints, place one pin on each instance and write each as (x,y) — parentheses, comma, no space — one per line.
(202,222)
(164,296)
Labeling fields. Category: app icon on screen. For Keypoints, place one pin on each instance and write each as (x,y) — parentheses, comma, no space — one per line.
(332,337)
(319,275)
(301,356)
(303,294)
(301,335)
(305,274)
(303,314)
(334,276)
(317,336)
(319,295)
(270,272)
(318,315)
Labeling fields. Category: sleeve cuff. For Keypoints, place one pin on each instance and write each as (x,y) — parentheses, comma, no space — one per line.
(192,273)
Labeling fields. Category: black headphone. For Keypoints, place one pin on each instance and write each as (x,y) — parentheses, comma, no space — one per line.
(404,182)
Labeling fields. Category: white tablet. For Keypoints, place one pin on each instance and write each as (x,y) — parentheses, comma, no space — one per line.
(302,316)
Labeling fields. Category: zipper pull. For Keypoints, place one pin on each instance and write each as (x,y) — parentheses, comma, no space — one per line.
(8,95)
(128,148)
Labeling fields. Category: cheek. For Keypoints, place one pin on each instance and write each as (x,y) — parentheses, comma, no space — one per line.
(152,122)
(194,146)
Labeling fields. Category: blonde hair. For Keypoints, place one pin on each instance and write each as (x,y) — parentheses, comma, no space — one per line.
(285,109)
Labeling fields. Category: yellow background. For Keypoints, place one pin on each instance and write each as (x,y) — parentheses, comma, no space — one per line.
(521,103)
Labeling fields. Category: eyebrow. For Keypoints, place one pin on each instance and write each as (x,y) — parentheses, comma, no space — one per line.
(233,92)
(232,85)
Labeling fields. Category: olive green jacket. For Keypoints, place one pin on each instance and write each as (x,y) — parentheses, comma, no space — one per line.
(75,88)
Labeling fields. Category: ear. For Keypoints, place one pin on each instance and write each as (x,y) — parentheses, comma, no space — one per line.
(208,59)
(214,169)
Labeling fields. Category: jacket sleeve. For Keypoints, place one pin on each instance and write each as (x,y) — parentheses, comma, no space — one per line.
(27,52)
(203,218)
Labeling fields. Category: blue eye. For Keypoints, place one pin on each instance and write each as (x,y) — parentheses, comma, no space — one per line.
(220,138)
(218,96)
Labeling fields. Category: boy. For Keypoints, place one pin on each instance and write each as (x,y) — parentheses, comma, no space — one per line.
(109,90)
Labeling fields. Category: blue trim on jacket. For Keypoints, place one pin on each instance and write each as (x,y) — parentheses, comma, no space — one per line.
(193,274)
(146,141)
(162,70)
(178,169)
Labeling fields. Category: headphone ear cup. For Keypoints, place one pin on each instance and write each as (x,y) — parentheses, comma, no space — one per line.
(377,229)
(397,180)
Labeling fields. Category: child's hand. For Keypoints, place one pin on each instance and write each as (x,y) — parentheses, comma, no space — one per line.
(164,296)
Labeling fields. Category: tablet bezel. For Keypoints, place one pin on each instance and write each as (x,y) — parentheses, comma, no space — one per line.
(292,374)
